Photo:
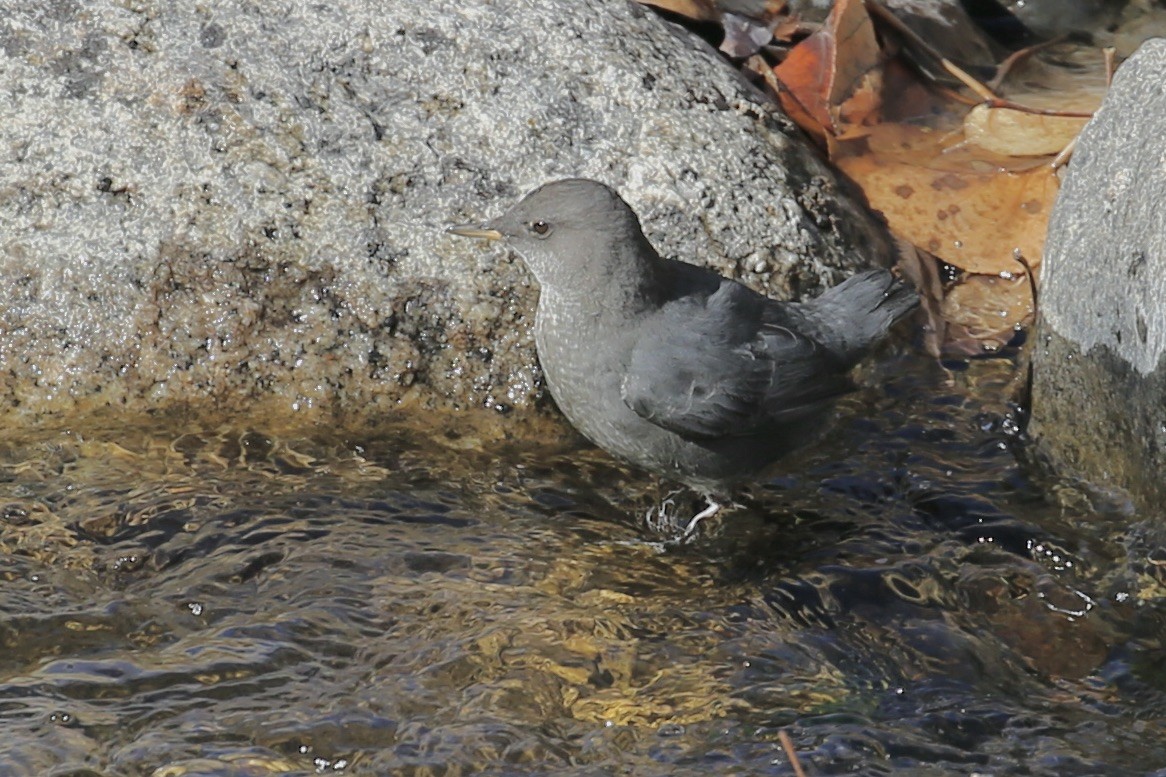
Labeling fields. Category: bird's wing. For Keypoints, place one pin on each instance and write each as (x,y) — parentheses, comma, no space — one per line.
(708,368)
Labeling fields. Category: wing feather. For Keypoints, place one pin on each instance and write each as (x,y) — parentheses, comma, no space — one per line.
(719,367)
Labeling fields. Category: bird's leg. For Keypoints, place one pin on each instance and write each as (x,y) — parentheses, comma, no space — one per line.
(660,518)
(663,519)
(708,512)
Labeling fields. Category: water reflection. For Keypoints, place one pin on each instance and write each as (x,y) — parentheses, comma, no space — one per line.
(906,599)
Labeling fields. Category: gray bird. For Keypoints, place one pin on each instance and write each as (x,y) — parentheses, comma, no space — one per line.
(671,366)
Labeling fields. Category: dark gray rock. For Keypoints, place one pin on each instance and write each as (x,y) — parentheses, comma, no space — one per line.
(948,28)
(1099,378)
(227,204)
(1057,17)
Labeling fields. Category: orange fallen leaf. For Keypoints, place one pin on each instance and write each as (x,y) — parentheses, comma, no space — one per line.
(831,82)
(971,213)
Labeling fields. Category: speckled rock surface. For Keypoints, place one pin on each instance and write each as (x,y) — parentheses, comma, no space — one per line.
(238,204)
(1099,376)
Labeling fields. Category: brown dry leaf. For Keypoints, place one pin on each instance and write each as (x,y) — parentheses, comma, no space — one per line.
(984,311)
(1015,132)
(971,213)
(1019,133)
(921,269)
(834,77)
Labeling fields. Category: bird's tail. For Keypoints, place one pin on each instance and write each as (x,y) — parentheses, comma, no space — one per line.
(852,316)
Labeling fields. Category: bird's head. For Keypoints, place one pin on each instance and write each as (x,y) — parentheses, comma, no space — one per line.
(573,234)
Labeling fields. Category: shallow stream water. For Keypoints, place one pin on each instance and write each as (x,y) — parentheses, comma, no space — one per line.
(906,597)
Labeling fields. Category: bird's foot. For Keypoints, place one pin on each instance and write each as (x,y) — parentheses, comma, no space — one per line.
(708,512)
(663,519)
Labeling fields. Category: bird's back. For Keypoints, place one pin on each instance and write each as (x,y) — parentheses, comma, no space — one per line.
(707,381)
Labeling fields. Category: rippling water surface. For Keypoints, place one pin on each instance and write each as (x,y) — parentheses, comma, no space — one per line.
(906,598)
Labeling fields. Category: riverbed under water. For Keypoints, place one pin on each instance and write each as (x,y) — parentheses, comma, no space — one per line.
(907,597)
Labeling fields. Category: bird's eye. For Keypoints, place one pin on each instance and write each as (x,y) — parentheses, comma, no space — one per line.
(540,228)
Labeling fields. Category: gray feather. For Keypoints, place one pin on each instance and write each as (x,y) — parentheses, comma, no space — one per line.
(714,366)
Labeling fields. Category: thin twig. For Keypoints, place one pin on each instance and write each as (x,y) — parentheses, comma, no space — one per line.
(1005,67)
(952,94)
(986,94)
(1018,255)
(788,745)
(1001,102)
(875,8)
(1109,52)
(990,99)
(1062,158)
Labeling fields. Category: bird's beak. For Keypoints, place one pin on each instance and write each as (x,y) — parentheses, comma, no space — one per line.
(469,230)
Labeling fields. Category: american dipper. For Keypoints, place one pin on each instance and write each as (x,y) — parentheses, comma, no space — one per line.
(671,366)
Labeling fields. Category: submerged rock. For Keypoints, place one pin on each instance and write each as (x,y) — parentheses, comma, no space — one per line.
(1058,17)
(230,205)
(1099,377)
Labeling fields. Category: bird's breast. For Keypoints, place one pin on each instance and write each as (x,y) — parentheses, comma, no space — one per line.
(584,358)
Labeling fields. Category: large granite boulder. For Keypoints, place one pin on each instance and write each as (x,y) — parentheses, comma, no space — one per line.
(1099,379)
(229,205)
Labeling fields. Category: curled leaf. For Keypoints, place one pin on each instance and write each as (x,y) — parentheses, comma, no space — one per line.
(833,78)
(1018,132)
